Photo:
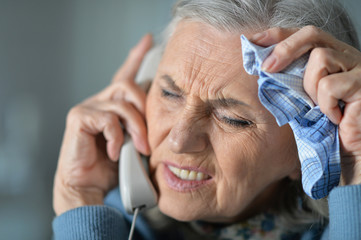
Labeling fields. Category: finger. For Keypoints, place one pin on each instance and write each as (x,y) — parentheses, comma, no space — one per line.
(328,103)
(132,94)
(132,120)
(272,36)
(114,136)
(343,86)
(135,57)
(297,44)
(349,128)
(84,119)
(128,91)
(322,62)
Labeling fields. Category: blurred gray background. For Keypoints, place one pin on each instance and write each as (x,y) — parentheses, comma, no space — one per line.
(53,54)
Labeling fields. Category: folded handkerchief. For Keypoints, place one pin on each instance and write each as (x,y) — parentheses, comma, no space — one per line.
(316,136)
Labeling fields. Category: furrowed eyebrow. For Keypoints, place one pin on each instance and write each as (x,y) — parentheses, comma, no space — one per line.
(171,82)
(227,102)
(224,102)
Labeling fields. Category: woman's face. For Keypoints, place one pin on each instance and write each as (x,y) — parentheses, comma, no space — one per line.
(217,153)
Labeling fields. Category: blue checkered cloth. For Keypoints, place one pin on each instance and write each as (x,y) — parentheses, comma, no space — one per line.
(316,136)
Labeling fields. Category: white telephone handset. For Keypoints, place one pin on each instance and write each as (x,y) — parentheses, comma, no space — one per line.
(136,189)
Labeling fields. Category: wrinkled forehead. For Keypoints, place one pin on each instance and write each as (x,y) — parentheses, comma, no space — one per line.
(198,54)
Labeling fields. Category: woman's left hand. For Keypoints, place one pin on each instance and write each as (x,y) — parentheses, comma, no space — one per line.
(333,73)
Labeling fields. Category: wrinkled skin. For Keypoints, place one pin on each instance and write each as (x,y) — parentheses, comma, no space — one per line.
(238,144)
(190,128)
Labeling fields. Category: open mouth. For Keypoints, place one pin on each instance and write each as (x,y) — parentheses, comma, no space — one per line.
(188,175)
(184,180)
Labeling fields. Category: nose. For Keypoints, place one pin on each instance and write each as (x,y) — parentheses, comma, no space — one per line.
(188,135)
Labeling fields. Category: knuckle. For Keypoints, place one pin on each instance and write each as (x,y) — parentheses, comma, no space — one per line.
(284,48)
(277,32)
(282,33)
(118,90)
(325,86)
(74,114)
(126,106)
(321,55)
(312,31)
(109,117)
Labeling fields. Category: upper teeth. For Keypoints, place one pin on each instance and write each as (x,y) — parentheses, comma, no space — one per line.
(188,175)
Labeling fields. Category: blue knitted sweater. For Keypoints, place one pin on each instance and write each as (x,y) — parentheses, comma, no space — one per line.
(110,221)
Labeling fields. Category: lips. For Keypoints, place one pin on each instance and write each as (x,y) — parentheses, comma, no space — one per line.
(181,179)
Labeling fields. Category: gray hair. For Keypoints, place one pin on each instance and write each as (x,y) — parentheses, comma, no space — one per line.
(257,15)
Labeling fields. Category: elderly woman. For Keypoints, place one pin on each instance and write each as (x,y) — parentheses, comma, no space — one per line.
(221,164)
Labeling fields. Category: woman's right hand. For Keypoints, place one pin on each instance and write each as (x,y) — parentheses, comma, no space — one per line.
(87,165)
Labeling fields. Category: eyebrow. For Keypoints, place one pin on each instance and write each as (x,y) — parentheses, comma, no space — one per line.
(225,102)
(171,83)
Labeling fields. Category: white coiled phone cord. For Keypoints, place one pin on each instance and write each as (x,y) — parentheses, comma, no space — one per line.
(133,224)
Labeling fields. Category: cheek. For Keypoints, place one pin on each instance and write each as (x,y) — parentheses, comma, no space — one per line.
(242,153)
(153,118)
(158,120)
(239,163)
(254,161)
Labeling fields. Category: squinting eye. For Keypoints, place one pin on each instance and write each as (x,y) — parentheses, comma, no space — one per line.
(169,94)
(236,122)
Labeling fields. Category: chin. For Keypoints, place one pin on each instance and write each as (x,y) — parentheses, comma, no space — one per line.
(185,215)
(184,211)
(178,210)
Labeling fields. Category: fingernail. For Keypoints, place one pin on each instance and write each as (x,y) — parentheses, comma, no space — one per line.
(269,63)
(258,36)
